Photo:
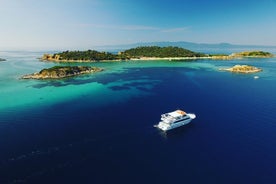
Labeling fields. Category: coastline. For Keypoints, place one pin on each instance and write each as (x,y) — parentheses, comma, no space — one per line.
(152,53)
(131,59)
(154,59)
(167,58)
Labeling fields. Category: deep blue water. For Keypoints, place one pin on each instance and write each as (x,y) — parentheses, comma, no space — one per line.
(96,138)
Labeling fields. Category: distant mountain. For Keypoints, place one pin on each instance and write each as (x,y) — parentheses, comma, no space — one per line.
(198,47)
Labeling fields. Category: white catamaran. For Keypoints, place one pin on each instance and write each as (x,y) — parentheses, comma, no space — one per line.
(174,119)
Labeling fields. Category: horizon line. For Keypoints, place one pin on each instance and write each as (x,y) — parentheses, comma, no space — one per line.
(35,48)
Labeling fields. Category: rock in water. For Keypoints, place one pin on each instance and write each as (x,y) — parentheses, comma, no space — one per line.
(242,69)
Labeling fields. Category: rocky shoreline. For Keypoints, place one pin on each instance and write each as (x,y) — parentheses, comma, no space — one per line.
(58,72)
(2,59)
(242,69)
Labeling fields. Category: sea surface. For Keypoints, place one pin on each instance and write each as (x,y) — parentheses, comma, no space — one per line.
(98,128)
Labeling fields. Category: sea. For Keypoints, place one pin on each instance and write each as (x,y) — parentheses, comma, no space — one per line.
(99,128)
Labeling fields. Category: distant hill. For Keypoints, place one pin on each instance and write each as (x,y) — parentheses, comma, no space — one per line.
(198,47)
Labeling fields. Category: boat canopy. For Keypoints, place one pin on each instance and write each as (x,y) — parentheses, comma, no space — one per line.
(177,113)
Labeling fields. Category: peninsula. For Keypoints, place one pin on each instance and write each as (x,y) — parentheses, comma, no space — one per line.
(147,53)
(242,69)
(58,72)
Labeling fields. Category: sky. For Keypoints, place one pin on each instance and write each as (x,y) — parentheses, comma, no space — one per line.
(84,24)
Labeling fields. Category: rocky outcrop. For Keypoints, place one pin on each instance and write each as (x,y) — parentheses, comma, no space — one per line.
(50,57)
(58,72)
(2,59)
(242,69)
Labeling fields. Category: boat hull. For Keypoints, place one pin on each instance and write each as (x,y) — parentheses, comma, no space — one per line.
(166,126)
(163,126)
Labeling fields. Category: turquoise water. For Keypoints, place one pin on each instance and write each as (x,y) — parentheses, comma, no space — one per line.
(98,128)
(17,93)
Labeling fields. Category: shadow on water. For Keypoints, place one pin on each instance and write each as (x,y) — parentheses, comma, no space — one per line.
(177,132)
(64,82)
(129,74)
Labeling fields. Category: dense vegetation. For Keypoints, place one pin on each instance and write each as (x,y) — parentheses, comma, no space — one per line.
(254,54)
(91,55)
(66,69)
(150,51)
(155,51)
(57,72)
(145,51)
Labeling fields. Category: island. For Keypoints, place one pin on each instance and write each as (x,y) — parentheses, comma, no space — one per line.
(242,69)
(82,56)
(139,53)
(241,55)
(147,53)
(58,72)
(254,54)
(2,59)
(160,52)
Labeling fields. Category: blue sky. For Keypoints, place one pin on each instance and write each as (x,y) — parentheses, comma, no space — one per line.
(83,24)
